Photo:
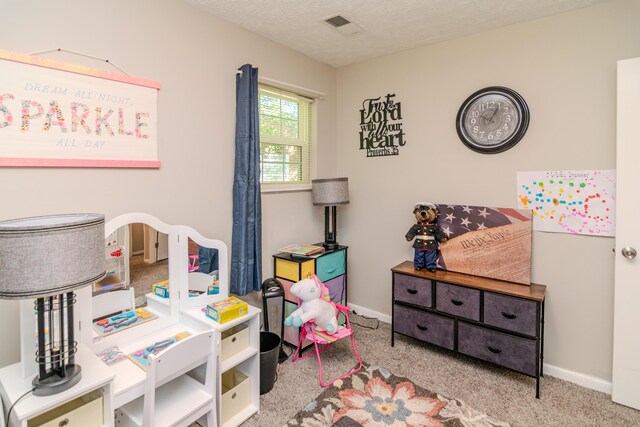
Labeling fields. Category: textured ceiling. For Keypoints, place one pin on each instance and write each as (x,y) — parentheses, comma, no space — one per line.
(389,25)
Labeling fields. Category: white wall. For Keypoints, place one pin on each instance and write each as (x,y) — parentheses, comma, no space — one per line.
(194,56)
(565,67)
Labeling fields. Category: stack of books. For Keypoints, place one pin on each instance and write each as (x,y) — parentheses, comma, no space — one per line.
(302,249)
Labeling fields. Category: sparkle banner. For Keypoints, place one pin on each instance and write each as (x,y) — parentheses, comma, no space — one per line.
(56,114)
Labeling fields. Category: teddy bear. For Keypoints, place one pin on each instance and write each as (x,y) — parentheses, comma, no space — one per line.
(426,236)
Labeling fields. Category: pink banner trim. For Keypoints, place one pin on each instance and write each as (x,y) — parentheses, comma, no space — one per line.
(78,69)
(77,163)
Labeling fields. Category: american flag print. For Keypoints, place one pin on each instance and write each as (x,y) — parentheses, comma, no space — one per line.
(486,241)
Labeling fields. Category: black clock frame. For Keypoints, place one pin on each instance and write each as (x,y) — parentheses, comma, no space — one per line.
(507,143)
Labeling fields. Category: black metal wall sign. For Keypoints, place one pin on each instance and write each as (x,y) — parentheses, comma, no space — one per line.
(381,131)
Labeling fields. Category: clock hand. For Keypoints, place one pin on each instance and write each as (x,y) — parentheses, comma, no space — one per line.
(493,115)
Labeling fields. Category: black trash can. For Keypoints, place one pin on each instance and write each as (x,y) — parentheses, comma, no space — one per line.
(269,351)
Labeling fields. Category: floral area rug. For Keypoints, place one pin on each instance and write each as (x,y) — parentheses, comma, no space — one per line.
(374,397)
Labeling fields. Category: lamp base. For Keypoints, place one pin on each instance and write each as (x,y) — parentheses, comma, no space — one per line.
(56,384)
(330,246)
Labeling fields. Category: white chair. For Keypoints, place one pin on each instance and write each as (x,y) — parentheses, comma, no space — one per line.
(200,282)
(113,302)
(171,397)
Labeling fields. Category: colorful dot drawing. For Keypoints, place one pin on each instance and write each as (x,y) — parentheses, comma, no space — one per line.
(576,202)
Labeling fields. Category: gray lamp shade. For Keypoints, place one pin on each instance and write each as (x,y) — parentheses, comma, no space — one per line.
(330,192)
(47,255)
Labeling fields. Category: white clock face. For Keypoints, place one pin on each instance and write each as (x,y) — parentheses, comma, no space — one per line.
(492,120)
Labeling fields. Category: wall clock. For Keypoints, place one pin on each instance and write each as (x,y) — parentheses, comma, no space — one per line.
(492,119)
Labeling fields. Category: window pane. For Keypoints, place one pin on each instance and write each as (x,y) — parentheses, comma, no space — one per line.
(272,172)
(269,126)
(289,110)
(289,129)
(269,105)
(271,152)
(292,154)
(292,172)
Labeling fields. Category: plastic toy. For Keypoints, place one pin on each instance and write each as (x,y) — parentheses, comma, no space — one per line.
(426,236)
(313,307)
(112,356)
(140,357)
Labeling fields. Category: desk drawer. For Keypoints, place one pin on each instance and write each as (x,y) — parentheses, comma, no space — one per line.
(514,314)
(458,300)
(336,288)
(234,340)
(236,393)
(331,265)
(413,290)
(85,411)
(424,326)
(294,271)
(505,350)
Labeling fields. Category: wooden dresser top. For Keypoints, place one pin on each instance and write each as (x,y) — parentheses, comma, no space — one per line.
(533,292)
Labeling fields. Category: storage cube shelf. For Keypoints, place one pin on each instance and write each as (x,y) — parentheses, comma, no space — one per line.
(331,269)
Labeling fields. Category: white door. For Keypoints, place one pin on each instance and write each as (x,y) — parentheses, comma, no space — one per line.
(626,318)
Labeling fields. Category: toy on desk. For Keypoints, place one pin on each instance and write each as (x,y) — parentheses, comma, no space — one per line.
(111,356)
(161,289)
(314,306)
(213,289)
(141,357)
(118,322)
(227,309)
(117,253)
(426,236)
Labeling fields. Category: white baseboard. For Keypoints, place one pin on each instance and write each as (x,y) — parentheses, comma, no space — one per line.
(370,313)
(583,380)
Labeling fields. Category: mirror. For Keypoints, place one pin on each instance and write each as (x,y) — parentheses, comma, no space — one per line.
(137,266)
(203,270)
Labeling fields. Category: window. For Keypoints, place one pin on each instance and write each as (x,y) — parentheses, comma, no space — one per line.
(285,137)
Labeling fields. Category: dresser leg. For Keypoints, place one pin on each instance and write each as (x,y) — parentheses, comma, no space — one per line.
(392,339)
(538,387)
(542,341)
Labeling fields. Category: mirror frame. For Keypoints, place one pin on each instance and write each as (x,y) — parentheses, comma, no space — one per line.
(170,312)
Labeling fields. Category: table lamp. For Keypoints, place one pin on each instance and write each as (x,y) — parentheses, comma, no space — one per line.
(330,193)
(45,258)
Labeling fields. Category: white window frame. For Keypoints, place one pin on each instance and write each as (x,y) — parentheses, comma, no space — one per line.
(311,97)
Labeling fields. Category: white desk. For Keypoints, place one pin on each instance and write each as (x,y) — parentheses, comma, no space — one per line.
(95,376)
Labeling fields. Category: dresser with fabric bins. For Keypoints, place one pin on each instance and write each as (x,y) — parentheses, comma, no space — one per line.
(329,266)
(493,320)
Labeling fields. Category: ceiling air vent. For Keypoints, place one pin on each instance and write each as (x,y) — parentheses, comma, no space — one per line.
(343,25)
(337,21)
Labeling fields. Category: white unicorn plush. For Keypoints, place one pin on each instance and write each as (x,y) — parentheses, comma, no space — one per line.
(314,307)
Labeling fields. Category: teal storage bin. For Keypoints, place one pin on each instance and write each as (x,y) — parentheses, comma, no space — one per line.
(331,265)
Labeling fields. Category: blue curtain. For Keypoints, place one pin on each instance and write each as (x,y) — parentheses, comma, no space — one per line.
(246,247)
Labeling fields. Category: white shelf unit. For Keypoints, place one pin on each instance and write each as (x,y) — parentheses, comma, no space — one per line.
(247,361)
(95,376)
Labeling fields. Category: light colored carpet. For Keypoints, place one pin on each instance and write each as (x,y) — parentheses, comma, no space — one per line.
(502,394)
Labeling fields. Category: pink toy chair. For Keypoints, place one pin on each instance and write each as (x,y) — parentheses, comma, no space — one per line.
(193,263)
(323,340)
